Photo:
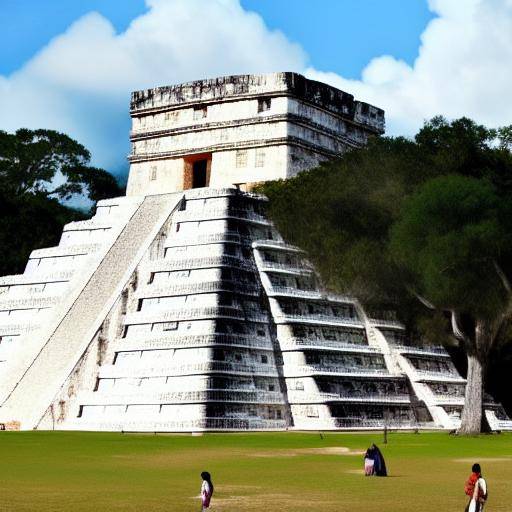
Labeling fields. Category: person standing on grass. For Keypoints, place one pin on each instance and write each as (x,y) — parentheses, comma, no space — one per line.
(369,461)
(476,489)
(380,464)
(206,490)
(374,464)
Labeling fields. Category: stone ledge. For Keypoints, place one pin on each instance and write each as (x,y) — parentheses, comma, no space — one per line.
(304,121)
(279,141)
(65,250)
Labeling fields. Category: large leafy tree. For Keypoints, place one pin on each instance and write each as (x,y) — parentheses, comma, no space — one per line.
(39,169)
(454,239)
(50,163)
(359,218)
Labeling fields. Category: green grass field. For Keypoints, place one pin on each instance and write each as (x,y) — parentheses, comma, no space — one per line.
(75,471)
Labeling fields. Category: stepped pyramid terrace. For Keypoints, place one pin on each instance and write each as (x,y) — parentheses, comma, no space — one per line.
(180,307)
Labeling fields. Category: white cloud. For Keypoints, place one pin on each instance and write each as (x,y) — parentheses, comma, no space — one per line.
(80,82)
(463,68)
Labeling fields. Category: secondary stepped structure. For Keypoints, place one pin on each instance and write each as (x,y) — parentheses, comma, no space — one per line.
(180,308)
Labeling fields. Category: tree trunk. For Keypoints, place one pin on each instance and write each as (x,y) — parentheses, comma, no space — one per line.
(472,412)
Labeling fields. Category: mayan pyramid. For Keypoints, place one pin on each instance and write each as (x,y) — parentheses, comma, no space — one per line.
(179,307)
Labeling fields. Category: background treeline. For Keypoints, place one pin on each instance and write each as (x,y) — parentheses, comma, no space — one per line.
(420,228)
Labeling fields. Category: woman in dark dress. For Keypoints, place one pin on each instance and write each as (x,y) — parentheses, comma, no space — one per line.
(380,464)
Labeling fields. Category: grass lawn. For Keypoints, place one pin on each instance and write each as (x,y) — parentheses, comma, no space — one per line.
(76,471)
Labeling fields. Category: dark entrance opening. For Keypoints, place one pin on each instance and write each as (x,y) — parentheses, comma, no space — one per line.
(199,169)
(196,170)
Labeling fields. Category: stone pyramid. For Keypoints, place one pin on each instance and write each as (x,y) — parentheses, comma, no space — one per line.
(180,307)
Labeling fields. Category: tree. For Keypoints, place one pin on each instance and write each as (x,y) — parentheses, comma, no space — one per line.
(50,163)
(453,239)
(28,223)
(347,212)
(38,170)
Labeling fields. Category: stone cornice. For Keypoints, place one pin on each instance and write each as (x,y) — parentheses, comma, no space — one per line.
(260,143)
(304,121)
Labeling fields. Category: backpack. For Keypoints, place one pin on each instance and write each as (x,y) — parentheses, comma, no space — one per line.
(469,488)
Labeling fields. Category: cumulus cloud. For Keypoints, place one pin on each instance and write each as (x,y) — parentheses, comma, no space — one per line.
(463,68)
(80,82)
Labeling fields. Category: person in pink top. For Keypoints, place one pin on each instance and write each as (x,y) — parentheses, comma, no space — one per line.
(206,490)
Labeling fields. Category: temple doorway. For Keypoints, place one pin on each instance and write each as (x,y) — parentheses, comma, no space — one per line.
(197,171)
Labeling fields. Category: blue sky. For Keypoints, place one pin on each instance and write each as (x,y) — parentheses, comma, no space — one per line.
(70,65)
(339,35)
(28,25)
(344,35)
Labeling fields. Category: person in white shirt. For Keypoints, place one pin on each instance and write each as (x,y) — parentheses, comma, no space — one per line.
(206,490)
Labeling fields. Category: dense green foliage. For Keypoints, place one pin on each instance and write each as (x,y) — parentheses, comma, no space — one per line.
(421,227)
(38,169)
(452,235)
(28,223)
(342,212)
(253,472)
(46,162)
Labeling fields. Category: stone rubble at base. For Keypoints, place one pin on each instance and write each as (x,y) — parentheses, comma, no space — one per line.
(185,310)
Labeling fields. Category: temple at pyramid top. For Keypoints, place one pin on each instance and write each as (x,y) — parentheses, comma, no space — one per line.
(240,130)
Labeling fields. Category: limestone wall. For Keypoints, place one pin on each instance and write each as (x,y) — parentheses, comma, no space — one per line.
(249,165)
(231,88)
(215,116)
(153,177)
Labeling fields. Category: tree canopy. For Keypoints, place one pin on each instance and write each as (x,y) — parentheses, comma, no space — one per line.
(38,170)
(419,226)
(453,238)
(50,163)
(29,223)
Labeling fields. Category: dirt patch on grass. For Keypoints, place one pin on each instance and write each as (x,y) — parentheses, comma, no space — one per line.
(235,488)
(355,471)
(328,450)
(274,501)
